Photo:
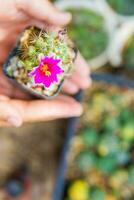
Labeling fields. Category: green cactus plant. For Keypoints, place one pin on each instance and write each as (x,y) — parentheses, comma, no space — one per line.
(103,157)
(89,35)
(46,50)
(122,6)
(127,54)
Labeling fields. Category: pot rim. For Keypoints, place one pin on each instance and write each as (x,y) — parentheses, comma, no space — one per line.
(118,42)
(95,6)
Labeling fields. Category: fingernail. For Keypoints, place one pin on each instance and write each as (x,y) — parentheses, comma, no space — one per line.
(74,89)
(14,121)
(78,110)
(67,16)
(89,82)
(3,98)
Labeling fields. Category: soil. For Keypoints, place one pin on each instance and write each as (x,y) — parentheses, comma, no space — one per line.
(38,146)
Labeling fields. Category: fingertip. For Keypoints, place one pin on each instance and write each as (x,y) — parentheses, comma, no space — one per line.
(87,83)
(82,65)
(90,81)
(80,81)
(69,106)
(15,121)
(78,110)
(67,17)
(61,18)
(70,87)
(73,90)
(75,107)
(4,98)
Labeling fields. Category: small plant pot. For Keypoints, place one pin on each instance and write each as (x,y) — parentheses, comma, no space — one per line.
(122,47)
(40,61)
(89,29)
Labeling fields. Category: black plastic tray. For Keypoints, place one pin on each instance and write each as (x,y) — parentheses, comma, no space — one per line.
(108,78)
(71,128)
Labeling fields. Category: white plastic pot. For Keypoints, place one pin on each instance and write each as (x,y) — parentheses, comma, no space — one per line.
(119,41)
(97,7)
(119,17)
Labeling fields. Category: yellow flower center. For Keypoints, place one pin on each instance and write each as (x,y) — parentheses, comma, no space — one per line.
(45,70)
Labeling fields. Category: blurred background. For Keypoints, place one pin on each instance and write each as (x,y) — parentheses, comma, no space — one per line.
(98,161)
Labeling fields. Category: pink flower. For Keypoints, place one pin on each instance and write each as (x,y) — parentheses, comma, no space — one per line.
(47,71)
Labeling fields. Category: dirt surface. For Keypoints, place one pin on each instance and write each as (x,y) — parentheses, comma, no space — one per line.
(38,146)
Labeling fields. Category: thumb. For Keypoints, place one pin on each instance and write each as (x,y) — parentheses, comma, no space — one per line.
(44,10)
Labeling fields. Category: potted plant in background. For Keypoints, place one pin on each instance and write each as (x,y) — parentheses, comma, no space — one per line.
(100,162)
(122,47)
(88,29)
(121,7)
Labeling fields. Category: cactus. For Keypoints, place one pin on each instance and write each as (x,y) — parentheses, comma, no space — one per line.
(127,54)
(52,54)
(102,151)
(89,35)
(122,7)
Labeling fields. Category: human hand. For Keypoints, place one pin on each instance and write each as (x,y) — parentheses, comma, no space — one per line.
(12,22)
(15,112)
(22,13)
(15,15)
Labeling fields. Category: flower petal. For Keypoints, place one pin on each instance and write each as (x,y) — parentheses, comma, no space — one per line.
(53,67)
(38,79)
(33,72)
(47,81)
